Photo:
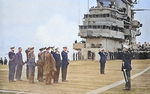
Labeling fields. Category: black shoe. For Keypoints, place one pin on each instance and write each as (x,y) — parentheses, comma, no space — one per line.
(48,84)
(65,80)
(56,82)
(40,80)
(12,81)
(19,80)
(126,89)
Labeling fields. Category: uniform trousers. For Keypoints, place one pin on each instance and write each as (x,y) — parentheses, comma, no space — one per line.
(19,72)
(40,73)
(48,77)
(126,74)
(56,75)
(102,67)
(64,72)
(11,71)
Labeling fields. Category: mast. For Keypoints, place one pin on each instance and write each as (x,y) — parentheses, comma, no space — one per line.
(88,7)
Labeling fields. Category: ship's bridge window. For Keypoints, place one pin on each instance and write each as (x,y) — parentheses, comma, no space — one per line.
(104,26)
(97,16)
(107,15)
(85,27)
(107,27)
(104,15)
(86,16)
(99,27)
(81,27)
(94,16)
(89,26)
(127,27)
(101,15)
(112,27)
(94,27)
(90,16)
(121,29)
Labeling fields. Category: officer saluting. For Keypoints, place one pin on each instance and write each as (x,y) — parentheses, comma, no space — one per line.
(57,58)
(102,60)
(126,66)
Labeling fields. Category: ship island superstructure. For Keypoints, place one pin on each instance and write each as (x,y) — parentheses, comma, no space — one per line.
(108,25)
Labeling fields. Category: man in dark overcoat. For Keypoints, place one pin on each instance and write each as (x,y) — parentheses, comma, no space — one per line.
(12,64)
(20,64)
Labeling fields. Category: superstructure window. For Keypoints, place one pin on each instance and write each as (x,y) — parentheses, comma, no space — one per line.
(107,15)
(89,26)
(104,26)
(86,16)
(104,15)
(94,16)
(107,27)
(97,16)
(101,15)
(90,16)
(94,27)
(81,27)
(85,27)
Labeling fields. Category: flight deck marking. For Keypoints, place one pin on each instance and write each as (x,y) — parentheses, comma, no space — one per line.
(115,84)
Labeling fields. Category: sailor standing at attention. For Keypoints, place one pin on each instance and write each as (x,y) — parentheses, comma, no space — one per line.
(58,62)
(65,63)
(12,64)
(126,66)
(20,64)
(102,60)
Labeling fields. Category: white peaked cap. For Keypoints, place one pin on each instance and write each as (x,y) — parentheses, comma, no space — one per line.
(102,49)
(126,46)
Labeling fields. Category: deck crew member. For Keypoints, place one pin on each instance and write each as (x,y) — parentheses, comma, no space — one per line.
(20,64)
(58,62)
(1,60)
(102,60)
(126,66)
(12,64)
(5,61)
(65,63)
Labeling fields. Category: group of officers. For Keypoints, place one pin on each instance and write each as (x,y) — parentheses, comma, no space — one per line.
(126,64)
(48,64)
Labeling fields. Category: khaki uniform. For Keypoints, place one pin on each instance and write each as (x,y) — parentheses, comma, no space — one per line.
(40,67)
(49,67)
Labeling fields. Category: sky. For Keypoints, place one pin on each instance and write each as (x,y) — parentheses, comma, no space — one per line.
(44,23)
